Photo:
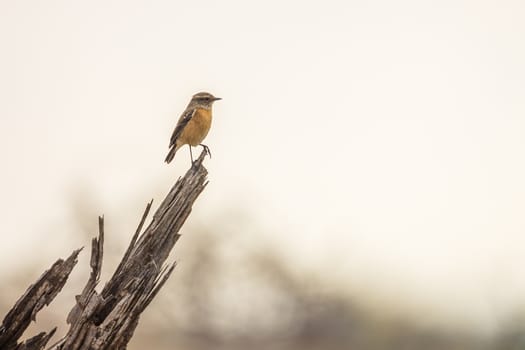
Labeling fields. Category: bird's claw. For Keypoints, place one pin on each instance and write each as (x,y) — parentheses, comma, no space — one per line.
(206,149)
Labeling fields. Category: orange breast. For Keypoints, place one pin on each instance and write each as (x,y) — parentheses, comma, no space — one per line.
(197,128)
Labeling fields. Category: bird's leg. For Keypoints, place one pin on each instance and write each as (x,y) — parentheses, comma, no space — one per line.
(206,149)
(191,154)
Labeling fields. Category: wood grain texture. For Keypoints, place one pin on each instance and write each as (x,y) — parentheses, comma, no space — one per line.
(39,294)
(107,319)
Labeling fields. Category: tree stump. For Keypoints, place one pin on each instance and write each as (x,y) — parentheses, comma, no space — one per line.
(107,319)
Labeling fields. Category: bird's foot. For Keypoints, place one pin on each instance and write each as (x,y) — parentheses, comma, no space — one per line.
(206,149)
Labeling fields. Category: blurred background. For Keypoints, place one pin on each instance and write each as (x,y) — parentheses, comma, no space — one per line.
(366,187)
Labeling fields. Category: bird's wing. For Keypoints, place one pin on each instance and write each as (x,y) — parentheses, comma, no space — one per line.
(181,124)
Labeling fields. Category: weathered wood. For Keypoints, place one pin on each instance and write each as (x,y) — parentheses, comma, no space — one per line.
(107,319)
(41,293)
(37,342)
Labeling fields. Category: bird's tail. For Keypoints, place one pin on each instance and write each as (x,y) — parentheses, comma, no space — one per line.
(171,154)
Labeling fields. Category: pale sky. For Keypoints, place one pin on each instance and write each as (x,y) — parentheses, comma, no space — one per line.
(382,141)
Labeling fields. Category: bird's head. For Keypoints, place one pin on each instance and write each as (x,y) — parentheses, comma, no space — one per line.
(203,100)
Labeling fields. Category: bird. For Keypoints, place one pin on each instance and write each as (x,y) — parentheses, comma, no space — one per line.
(193,125)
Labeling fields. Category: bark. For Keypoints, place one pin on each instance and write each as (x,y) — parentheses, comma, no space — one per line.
(107,319)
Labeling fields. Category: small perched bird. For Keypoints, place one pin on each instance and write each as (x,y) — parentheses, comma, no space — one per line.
(193,124)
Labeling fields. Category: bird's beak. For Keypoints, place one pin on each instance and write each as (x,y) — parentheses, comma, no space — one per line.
(217,98)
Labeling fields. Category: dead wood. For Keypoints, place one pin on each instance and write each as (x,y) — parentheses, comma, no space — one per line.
(107,319)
